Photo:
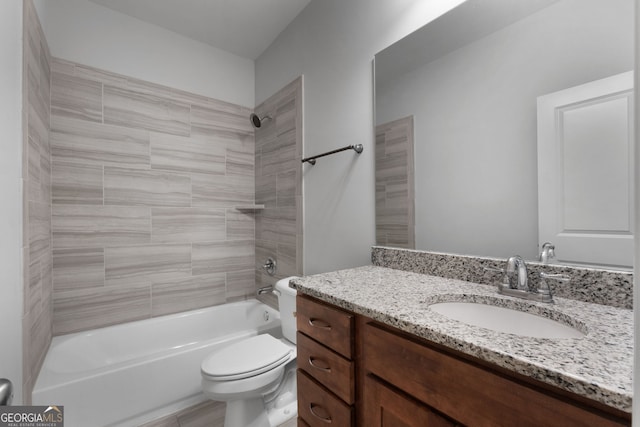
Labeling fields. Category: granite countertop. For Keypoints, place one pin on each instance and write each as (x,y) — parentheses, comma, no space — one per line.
(598,366)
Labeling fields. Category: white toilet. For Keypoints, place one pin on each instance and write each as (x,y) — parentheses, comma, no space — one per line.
(256,376)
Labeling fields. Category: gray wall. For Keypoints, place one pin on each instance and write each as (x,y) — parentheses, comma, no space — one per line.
(475,115)
(11,183)
(332,43)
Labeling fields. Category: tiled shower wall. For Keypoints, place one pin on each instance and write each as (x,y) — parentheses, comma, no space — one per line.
(146,185)
(395,207)
(279,185)
(36,171)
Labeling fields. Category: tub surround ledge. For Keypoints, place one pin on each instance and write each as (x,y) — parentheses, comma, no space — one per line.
(597,366)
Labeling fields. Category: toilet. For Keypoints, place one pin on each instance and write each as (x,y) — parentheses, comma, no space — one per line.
(256,375)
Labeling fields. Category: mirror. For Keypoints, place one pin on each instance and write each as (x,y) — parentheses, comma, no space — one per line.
(465,89)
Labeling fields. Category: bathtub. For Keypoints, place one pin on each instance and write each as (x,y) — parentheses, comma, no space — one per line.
(129,374)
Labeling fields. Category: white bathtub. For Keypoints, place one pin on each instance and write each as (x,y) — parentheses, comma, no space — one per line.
(125,375)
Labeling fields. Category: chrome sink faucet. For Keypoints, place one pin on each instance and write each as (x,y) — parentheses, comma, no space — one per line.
(516,273)
(516,281)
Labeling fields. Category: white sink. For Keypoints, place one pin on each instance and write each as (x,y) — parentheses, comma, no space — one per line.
(505,320)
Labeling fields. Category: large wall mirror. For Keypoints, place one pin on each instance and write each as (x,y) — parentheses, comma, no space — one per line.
(461,107)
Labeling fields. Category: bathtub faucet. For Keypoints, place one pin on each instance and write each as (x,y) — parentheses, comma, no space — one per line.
(267,290)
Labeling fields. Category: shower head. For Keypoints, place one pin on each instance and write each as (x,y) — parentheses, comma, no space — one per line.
(256,121)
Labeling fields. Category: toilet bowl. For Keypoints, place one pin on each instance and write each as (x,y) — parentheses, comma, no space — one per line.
(256,376)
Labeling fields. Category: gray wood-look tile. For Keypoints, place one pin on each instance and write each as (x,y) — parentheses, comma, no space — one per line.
(280,155)
(76,97)
(232,122)
(78,268)
(89,73)
(33,289)
(240,158)
(38,117)
(45,176)
(241,285)
(279,184)
(133,187)
(84,309)
(145,111)
(84,226)
(76,184)
(286,186)
(266,191)
(240,224)
(217,191)
(33,175)
(176,295)
(278,225)
(394,183)
(127,265)
(39,337)
(287,262)
(39,220)
(264,250)
(183,154)
(219,257)
(75,141)
(63,67)
(180,225)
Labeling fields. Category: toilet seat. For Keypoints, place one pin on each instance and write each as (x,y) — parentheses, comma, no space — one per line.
(246,358)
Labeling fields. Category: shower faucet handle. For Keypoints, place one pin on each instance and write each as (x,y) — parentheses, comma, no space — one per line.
(270,266)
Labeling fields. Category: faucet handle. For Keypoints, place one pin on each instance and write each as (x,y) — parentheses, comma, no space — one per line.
(558,277)
(544,289)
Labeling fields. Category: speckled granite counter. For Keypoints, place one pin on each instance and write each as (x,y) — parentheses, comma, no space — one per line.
(597,366)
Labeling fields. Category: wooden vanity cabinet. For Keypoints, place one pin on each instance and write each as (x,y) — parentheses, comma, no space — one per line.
(354,371)
(326,367)
(459,390)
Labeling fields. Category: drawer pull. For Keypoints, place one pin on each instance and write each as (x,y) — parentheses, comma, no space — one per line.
(325,419)
(321,368)
(321,324)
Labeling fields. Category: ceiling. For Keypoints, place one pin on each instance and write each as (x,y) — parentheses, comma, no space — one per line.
(243,27)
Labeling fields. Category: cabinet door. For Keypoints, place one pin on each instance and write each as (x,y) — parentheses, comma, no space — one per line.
(388,408)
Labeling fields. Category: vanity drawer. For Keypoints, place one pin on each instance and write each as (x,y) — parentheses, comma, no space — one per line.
(467,392)
(327,367)
(318,407)
(327,325)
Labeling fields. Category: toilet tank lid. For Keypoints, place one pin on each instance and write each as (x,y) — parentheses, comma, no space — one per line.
(283,285)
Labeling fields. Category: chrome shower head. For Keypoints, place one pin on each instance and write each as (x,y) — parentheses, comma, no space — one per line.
(256,121)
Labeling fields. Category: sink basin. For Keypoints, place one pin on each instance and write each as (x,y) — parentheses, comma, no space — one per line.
(505,320)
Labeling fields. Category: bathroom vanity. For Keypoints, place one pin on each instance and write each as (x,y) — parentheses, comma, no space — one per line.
(372,353)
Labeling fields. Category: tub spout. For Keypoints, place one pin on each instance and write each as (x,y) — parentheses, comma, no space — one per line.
(264,290)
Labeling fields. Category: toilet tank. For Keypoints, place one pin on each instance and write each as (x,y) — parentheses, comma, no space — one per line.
(287,307)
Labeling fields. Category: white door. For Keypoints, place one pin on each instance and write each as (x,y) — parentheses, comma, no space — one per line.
(585,172)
